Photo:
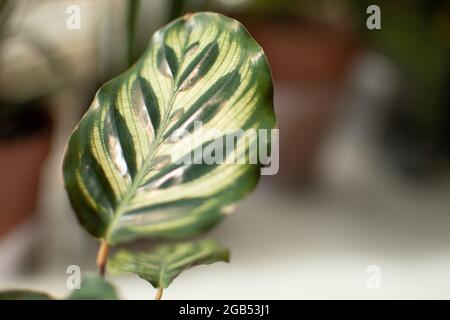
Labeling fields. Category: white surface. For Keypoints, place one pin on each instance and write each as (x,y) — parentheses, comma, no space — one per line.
(14,248)
(309,248)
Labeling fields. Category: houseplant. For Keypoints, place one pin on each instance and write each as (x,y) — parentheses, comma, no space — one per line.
(122,170)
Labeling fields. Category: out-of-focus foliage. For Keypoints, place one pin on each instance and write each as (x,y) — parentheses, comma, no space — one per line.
(92,287)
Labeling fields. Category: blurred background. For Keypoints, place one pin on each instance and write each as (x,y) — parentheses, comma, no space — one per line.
(364,146)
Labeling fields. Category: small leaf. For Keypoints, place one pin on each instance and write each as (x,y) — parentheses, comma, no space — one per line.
(201,67)
(162,265)
(94,287)
(24,295)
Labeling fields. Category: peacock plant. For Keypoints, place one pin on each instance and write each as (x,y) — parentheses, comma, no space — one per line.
(126,175)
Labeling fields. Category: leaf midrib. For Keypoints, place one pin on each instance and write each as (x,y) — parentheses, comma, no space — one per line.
(118,212)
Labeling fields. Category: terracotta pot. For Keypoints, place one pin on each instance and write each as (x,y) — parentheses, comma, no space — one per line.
(21,160)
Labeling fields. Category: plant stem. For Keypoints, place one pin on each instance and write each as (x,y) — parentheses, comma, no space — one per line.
(102,257)
(159,294)
(175,9)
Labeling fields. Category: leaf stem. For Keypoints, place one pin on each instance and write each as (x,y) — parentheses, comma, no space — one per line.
(102,257)
(159,294)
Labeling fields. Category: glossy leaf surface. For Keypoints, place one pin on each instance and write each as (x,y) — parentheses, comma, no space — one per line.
(122,170)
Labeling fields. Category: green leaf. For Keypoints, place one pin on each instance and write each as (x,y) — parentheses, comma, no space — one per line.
(94,287)
(24,295)
(119,170)
(162,265)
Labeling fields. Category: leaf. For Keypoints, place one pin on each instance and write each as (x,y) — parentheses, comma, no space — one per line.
(120,168)
(24,295)
(162,265)
(94,287)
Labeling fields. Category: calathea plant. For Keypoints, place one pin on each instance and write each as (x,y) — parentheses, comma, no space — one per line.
(126,175)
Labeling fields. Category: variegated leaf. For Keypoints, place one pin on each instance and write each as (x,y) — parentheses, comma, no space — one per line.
(162,265)
(121,170)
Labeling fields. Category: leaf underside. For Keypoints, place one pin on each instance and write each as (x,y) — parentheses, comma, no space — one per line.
(162,265)
(118,170)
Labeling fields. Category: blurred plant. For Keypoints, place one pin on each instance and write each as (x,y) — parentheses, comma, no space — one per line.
(118,171)
(29,71)
(92,287)
(414,34)
(176,8)
(43,70)
(133,10)
(21,106)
